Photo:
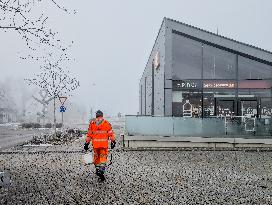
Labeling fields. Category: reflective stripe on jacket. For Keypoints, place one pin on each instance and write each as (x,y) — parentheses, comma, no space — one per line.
(100,132)
(99,140)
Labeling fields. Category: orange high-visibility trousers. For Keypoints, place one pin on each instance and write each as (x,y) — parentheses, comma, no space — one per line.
(100,156)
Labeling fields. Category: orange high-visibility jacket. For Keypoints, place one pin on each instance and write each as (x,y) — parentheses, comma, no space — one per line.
(100,132)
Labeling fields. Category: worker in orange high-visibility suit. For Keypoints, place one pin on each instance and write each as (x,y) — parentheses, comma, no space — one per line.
(99,133)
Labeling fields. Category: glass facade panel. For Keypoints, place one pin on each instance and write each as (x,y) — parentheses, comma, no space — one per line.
(218,64)
(187,103)
(231,85)
(208,104)
(225,107)
(218,102)
(254,93)
(250,69)
(249,108)
(266,108)
(187,58)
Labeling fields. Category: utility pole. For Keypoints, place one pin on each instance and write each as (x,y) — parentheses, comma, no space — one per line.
(55,126)
(62,118)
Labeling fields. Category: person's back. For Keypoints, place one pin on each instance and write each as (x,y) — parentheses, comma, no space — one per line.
(99,132)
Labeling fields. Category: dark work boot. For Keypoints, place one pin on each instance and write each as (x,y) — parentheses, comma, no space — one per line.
(102,177)
(97,171)
(101,173)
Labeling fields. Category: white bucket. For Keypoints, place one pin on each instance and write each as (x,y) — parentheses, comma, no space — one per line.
(87,158)
(4,179)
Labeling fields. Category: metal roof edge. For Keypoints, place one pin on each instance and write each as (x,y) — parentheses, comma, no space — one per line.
(209,32)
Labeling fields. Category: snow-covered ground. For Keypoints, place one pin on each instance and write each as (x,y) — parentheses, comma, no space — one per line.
(56,175)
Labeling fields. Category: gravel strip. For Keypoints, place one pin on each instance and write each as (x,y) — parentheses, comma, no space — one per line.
(137,177)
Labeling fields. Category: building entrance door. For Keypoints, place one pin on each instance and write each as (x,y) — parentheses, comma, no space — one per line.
(224,107)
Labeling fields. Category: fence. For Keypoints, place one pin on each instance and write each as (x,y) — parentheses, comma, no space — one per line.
(220,126)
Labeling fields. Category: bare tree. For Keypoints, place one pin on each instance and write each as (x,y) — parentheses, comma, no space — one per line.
(6,100)
(55,80)
(21,16)
(7,103)
(2,94)
(44,101)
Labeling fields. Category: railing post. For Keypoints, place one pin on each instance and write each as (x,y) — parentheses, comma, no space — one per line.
(226,132)
(123,140)
(173,126)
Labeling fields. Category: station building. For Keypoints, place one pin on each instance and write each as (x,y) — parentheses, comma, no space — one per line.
(198,83)
(194,73)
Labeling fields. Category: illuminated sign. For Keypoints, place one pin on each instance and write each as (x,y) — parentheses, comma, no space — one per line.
(218,84)
(156,60)
(194,84)
(187,84)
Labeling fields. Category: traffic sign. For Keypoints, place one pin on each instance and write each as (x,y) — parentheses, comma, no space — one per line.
(62,100)
(62,108)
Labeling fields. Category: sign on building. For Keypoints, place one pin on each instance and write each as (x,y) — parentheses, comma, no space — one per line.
(156,60)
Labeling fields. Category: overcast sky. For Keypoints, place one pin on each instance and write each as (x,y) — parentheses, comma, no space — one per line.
(113,40)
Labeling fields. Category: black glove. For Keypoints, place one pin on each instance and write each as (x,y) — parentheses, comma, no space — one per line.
(113,144)
(86,146)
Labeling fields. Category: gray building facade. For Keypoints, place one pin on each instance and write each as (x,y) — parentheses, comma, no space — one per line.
(198,74)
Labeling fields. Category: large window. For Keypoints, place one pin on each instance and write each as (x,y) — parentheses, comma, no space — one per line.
(266,107)
(218,64)
(208,104)
(187,58)
(209,81)
(187,103)
(218,102)
(250,69)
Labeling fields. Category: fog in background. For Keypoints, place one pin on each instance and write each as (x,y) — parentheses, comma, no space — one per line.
(113,40)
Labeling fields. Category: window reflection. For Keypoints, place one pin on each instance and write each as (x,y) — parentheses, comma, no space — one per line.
(250,69)
(187,58)
(218,64)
